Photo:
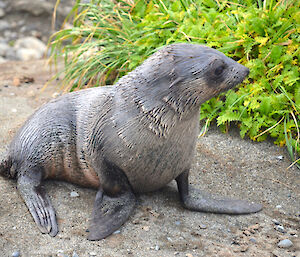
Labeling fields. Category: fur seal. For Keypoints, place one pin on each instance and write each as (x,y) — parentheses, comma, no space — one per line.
(133,137)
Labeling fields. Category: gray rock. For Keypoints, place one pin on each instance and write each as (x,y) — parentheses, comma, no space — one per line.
(24,54)
(11,54)
(2,13)
(75,254)
(3,4)
(293,232)
(61,255)
(10,35)
(23,29)
(30,43)
(2,60)
(203,226)
(16,254)
(3,40)
(169,239)
(74,194)
(286,243)
(280,228)
(29,48)
(36,8)
(4,48)
(276,222)
(4,25)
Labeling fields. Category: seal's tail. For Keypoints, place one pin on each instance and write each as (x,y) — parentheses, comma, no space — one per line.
(5,167)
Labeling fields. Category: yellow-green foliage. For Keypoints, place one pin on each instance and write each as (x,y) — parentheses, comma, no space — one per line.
(262,35)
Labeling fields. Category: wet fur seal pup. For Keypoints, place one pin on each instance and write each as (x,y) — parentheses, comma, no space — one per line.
(133,137)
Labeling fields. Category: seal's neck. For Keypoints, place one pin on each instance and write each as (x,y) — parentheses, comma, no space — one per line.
(158,101)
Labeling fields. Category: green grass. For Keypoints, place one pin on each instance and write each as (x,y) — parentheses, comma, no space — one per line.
(108,39)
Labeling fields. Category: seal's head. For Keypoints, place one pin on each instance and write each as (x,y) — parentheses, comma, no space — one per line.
(202,64)
(186,75)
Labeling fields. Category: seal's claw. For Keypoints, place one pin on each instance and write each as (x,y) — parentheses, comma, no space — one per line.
(110,213)
(38,204)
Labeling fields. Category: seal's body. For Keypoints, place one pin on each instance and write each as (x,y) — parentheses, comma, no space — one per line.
(136,136)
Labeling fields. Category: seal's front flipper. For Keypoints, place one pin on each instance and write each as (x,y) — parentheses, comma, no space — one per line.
(38,202)
(207,204)
(110,213)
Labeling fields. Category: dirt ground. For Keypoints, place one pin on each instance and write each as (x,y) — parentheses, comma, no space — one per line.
(225,165)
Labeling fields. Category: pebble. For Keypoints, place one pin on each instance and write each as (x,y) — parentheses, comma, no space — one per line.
(2,4)
(29,48)
(2,60)
(202,226)
(74,194)
(293,232)
(11,54)
(286,243)
(276,222)
(280,228)
(14,110)
(93,254)
(247,232)
(55,94)
(75,254)
(16,82)
(4,25)
(280,157)
(146,228)
(117,232)
(169,239)
(16,254)
(30,43)
(3,49)
(278,206)
(11,35)
(24,54)
(2,13)
(253,240)
(35,8)
(177,222)
(157,247)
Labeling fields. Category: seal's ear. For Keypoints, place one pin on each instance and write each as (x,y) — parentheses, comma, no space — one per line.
(176,81)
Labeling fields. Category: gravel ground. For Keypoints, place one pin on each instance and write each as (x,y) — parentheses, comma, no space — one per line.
(225,165)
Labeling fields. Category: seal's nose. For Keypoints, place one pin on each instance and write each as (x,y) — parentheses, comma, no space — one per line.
(247,71)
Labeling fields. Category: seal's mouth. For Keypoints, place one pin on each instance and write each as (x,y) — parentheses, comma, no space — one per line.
(237,79)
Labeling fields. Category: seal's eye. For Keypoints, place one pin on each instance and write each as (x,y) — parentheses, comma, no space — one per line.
(219,70)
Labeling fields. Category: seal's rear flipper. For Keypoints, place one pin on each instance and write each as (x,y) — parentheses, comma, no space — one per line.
(110,213)
(207,204)
(38,202)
